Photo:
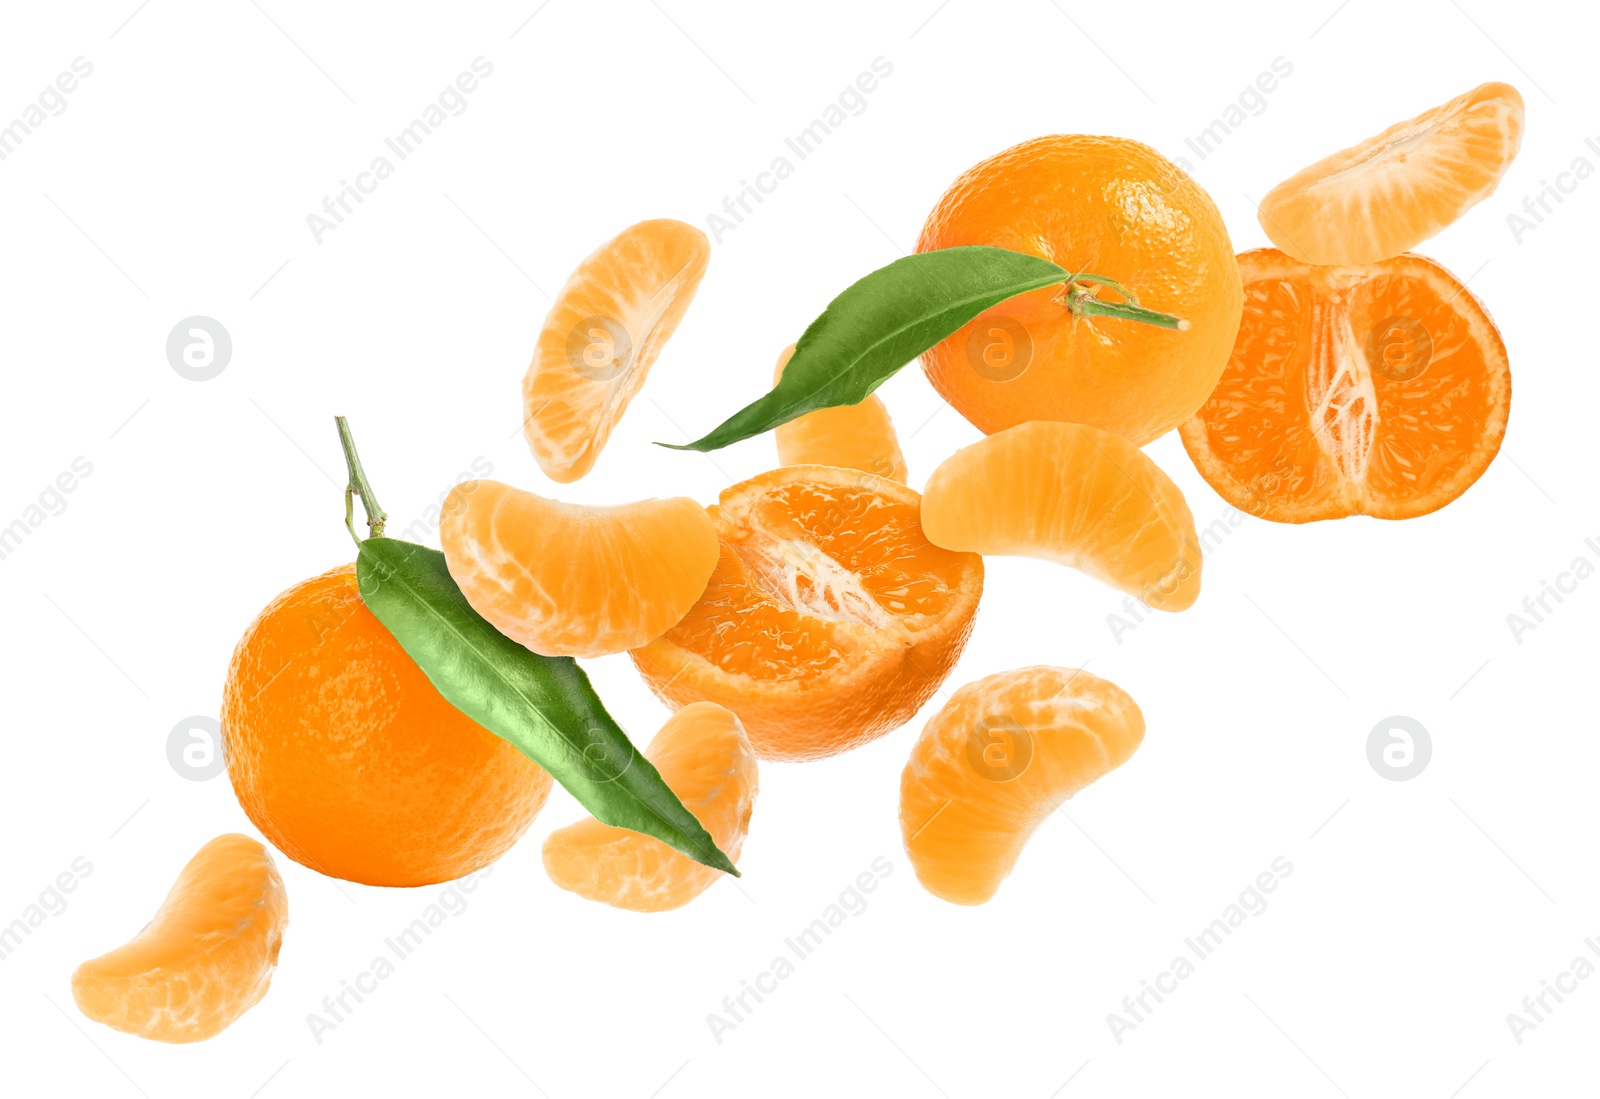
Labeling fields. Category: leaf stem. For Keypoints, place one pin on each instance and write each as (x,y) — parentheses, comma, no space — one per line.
(358,485)
(1083,303)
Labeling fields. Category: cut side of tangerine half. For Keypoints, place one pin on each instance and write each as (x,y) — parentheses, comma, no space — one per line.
(1375,390)
(602,335)
(575,580)
(206,957)
(1393,191)
(1075,495)
(859,436)
(706,759)
(996,761)
(830,618)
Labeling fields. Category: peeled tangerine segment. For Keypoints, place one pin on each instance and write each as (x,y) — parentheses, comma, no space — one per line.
(573,580)
(601,337)
(204,960)
(1394,191)
(859,436)
(1075,495)
(706,759)
(996,760)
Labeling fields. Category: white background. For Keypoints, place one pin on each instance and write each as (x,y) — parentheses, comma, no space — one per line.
(177,182)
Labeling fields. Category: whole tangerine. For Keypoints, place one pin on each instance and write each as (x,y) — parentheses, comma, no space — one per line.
(1133,228)
(348,759)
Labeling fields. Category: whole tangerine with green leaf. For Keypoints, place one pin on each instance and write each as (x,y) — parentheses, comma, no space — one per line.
(350,762)
(378,729)
(1134,230)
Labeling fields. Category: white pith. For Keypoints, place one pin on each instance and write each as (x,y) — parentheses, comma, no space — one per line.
(1339,389)
(802,577)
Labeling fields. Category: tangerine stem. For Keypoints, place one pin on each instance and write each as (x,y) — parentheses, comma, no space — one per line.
(358,486)
(1083,303)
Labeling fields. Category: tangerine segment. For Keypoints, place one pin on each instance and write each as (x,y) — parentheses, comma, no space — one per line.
(1074,495)
(859,436)
(204,960)
(706,759)
(1376,390)
(1393,191)
(1110,207)
(996,761)
(829,619)
(351,762)
(601,337)
(571,580)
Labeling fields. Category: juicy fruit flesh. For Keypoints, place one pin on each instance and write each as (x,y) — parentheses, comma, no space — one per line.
(829,616)
(1107,206)
(1071,494)
(826,571)
(706,759)
(859,436)
(1393,191)
(205,959)
(349,760)
(602,335)
(1379,390)
(574,580)
(996,761)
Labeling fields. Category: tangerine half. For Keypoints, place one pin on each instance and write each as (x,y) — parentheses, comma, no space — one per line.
(829,619)
(1378,390)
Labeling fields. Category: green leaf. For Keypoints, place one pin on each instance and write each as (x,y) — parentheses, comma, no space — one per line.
(881,323)
(543,705)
